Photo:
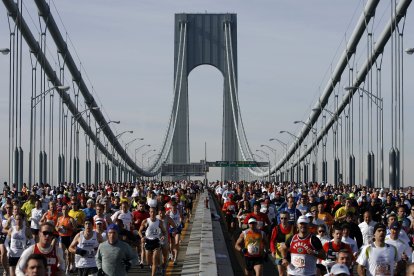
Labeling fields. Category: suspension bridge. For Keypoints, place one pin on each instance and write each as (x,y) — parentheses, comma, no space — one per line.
(354,132)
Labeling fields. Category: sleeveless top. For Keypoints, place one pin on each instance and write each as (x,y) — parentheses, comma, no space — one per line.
(67,229)
(175,217)
(331,254)
(90,246)
(52,260)
(282,238)
(253,241)
(17,242)
(302,262)
(153,229)
(51,218)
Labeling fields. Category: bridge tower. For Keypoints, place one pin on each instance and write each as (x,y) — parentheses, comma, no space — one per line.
(203,41)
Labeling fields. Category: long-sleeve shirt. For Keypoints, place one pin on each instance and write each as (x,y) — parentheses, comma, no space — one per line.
(111,257)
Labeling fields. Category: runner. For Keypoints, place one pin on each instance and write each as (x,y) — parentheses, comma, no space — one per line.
(65,226)
(253,244)
(167,223)
(17,240)
(379,258)
(85,245)
(154,234)
(175,233)
(54,254)
(304,249)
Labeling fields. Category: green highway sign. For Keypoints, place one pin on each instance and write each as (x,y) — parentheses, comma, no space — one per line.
(249,164)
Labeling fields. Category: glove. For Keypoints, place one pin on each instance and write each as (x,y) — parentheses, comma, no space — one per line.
(127,265)
(101,272)
(80,251)
(244,250)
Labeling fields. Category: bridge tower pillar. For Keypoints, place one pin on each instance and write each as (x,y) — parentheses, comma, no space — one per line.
(200,39)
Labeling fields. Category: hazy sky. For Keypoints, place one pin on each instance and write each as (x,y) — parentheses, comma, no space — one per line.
(286,52)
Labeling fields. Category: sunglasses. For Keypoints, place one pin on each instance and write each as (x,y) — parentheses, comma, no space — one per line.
(321,231)
(283,218)
(47,233)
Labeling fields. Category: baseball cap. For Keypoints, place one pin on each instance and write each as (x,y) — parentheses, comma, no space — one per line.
(340,269)
(60,196)
(395,225)
(113,226)
(98,221)
(303,219)
(309,215)
(252,220)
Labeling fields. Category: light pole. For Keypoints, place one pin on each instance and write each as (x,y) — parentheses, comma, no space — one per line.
(314,131)
(73,120)
(145,153)
(297,162)
(379,102)
(274,151)
(5,51)
(285,146)
(126,131)
(133,140)
(137,149)
(33,103)
(97,132)
(268,162)
(151,156)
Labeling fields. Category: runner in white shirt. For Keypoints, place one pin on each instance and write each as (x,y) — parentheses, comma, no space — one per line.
(125,215)
(367,228)
(404,250)
(346,239)
(379,258)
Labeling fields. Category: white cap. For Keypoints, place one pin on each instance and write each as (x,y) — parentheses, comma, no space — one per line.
(340,269)
(309,215)
(251,220)
(59,196)
(303,219)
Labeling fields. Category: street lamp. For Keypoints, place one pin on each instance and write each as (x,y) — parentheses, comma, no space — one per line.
(73,120)
(379,102)
(133,140)
(145,153)
(97,131)
(120,134)
(297,147)
(268,162)
(4,51)
(272,149)
(310,127)
(285,146)
(32,106)
(409,51)
(137,149)
(151,156)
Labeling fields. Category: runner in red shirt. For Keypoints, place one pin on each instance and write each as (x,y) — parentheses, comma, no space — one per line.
(261,218)
(230,209)
(138,217)
(333,247)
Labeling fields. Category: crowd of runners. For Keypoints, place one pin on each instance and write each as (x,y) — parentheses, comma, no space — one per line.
(319,229)
(102,229)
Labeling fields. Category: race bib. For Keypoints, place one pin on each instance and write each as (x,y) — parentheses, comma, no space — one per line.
(298,261)
(383,269)
(259,224)
(18,245)
(155,232)
(253,249)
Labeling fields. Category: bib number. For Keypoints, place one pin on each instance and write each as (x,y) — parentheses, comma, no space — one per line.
(298,261)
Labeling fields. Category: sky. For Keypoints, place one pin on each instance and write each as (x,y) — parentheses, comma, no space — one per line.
(286,53)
